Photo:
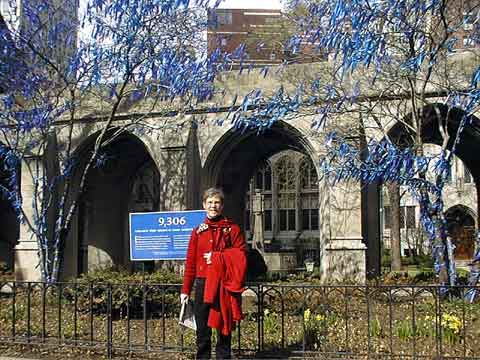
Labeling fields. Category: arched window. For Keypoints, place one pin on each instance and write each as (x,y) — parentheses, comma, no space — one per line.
(146,189)
(308,175)
(262,180)
(286,174)
(288,182)
(309,195)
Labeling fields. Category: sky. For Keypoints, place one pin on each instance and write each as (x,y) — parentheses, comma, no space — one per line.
(251,4)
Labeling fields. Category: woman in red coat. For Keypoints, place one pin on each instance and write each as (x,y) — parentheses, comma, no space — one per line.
(215,266)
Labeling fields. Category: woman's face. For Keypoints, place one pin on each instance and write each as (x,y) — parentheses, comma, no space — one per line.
(214,206)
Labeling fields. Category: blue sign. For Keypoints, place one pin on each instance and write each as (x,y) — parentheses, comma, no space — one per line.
(162,235)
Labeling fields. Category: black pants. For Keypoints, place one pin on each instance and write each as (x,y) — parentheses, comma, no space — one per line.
(223,347)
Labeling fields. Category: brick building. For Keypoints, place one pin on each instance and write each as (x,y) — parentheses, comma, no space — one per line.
(258,29)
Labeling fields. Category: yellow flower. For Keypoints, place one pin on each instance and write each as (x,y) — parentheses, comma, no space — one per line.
(451,322)
(319,317)
(306,315)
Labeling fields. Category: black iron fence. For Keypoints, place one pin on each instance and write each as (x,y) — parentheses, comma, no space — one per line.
(398,322)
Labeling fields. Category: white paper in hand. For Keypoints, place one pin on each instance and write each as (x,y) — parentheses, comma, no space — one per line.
(187,317)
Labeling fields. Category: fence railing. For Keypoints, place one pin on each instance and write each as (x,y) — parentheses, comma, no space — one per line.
(280,320)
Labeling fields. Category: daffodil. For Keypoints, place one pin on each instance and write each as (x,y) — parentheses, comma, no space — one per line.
(451,322)
(306,315)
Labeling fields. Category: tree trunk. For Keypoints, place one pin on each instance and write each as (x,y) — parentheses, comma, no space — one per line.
(395,239)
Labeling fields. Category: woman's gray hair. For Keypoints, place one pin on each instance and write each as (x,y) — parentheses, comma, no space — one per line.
(213,192)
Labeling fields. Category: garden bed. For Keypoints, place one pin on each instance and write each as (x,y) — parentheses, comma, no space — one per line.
(279,319)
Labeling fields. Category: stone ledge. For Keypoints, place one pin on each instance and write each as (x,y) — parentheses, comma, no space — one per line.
(346,244)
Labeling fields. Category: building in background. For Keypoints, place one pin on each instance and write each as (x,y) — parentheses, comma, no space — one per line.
(264,33)
(259,30)
(460,204)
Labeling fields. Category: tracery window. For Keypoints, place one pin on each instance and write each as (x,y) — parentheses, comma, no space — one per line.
(289,184)
(286,181)
(261,180)
(309,195)
(308,175)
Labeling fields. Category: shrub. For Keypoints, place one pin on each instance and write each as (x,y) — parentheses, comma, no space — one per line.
(425,276)
(5,273)
(128,291)
(394,278)
(421,260)
(403,277)
(122,276)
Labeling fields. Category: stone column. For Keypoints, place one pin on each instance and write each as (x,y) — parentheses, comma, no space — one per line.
(258,233)
(324,226)
(345,261)
(26,250)
(342,249)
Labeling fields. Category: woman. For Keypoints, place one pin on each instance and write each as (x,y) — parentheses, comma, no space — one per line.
(216,264)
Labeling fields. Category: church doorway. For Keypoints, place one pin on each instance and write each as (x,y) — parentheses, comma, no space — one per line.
(461,229)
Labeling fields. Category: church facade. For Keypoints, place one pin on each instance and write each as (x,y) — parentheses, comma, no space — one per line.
(165,164)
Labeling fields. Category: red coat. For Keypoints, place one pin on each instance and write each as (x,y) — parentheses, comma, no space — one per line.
(225,280)
(209,237)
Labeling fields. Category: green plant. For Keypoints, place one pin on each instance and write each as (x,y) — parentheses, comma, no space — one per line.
(425,276)
(314,329)
(404,329)
(376,328)
(271,325)
(451,327)
(129,291)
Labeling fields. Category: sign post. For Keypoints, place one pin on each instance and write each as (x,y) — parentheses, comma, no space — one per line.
(162,235)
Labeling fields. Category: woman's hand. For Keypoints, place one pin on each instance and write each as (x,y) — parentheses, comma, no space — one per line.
(183,298)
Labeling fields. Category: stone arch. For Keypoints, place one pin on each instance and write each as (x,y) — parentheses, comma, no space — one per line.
(235,157)
(467,148)
(99,235)
(234,160)
(432,115)
(461,228)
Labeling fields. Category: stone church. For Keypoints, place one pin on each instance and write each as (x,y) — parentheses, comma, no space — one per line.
(303,217)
